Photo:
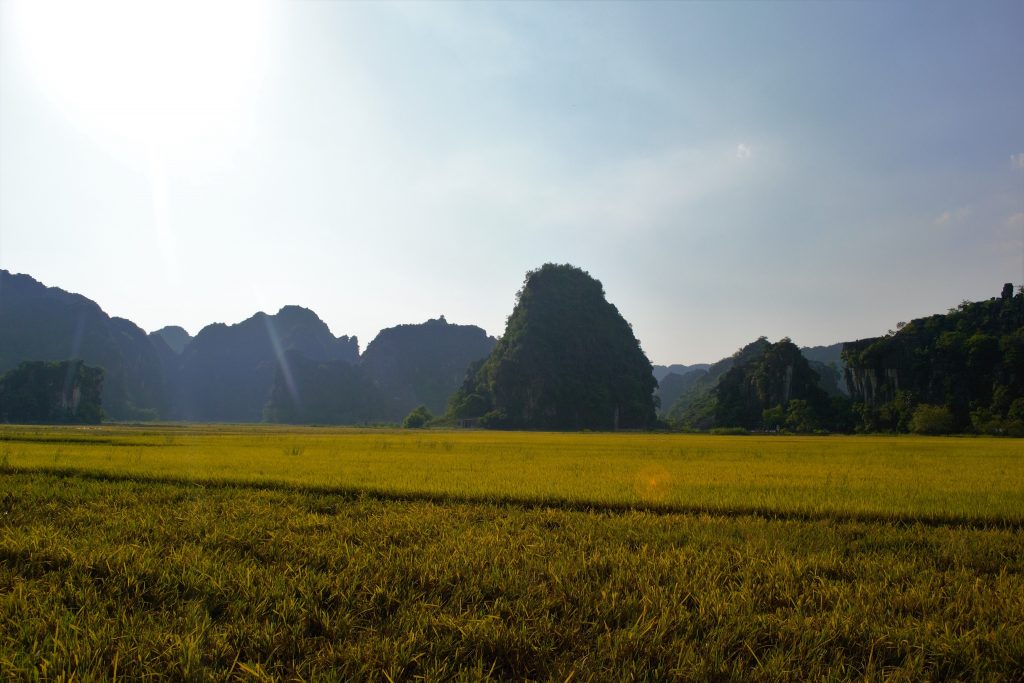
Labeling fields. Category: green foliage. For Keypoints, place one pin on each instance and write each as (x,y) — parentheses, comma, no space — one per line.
(766,386)
(418,418)
(970,360)
(932,420)
(51,392)
(567,360)
(773,418)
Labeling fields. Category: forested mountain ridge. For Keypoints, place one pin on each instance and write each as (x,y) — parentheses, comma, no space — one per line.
(968,361)
(424,364)
(403,367)
(567,360)
(40,323)
(226,373)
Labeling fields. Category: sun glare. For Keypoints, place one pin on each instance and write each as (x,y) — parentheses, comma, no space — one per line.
(151,74)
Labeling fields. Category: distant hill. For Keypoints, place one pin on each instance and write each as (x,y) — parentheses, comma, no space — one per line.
(832,357)
(324,392)
(968,361)
(694,406)
(567,360)
(423,364)
(672,386)
(697,405)
(175,337)
(663,371)
(40,323)
(403,367)
(226,373)
(776,389)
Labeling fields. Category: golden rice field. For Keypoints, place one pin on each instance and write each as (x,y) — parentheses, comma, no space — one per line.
(230,553)
(970,479)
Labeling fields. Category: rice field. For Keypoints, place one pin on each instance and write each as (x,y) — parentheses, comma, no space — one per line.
(263,553)
(899,477)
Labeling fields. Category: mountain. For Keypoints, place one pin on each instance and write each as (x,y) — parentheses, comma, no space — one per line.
(423,364)
(831,357)
(567,360)
(776,389)
(673,386)
(324,392)
(695,406)
(175,337)
(663,371)
(226,373)
(40,323)
(968,361)
(403,367)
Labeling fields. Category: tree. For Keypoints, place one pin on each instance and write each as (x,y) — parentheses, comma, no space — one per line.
(929,419)
(418,418)
(773,418)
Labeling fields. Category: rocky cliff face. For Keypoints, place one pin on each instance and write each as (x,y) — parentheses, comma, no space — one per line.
(874,379)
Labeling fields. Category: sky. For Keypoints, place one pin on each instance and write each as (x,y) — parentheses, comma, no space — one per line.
(820,171)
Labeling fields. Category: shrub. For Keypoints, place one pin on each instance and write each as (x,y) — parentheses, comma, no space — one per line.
(418,418)
(928,419)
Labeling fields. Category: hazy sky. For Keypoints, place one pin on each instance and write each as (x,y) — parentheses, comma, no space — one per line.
(816,170)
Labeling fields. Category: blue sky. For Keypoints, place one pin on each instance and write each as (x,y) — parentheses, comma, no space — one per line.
(728,170)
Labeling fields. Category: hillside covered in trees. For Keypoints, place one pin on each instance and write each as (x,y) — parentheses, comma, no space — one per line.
(403,367)
(567,360)
(763,386)
(62,392)
(958,371)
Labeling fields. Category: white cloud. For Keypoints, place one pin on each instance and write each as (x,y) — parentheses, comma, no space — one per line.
(953,215)
(1017,160)
(1016,219)
(743,151)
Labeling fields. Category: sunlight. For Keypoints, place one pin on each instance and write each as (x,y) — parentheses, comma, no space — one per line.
(150,75)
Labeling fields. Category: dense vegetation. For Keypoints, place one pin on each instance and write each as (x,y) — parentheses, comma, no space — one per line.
(39,323)
(763,386)
(567,360)
(51,392)
(964,370)
(105,573)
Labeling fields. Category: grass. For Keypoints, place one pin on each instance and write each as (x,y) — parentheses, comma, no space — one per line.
(245,553)
(978,480)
